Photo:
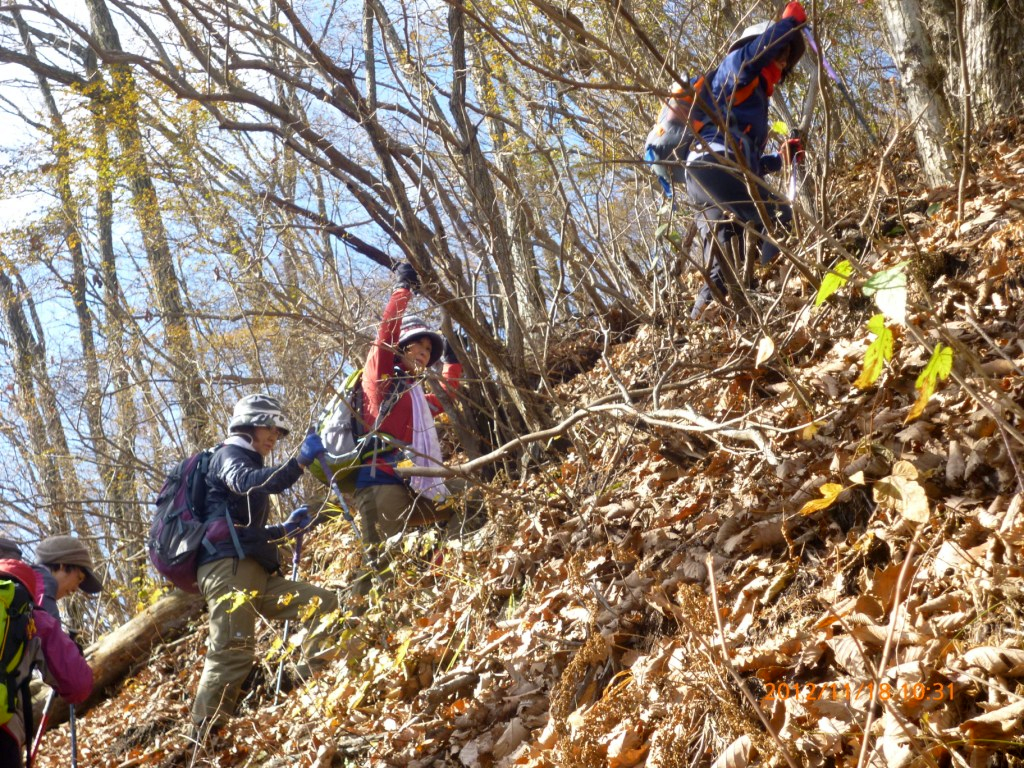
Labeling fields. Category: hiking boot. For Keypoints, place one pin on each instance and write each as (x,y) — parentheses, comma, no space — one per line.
(208,731)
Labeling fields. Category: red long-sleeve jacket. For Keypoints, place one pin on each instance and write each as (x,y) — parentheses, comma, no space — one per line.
(378,373)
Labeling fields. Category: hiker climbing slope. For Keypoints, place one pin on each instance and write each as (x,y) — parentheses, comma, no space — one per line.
(405,346)
(239,483)
(64,567)
(45,646)
(727,159)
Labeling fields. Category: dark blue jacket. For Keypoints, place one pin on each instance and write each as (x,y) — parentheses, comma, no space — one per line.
(237,482)
(748,121)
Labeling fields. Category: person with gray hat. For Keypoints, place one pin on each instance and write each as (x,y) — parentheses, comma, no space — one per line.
(65,565)
(402,413)
(239,485)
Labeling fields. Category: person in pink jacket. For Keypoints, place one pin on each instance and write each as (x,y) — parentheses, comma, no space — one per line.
(49,649)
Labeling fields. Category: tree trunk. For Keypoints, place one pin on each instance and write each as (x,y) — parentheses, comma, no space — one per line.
(922,77)
(115,655)
(124,113)
(36,402)
(992,33)
(130,515)
(77,283)
(995,57)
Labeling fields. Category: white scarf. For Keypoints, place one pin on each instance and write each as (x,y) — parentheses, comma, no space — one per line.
(425,446)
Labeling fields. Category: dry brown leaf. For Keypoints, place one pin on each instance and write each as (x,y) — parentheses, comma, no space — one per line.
(994,725)
(765,349)
(992,660)
(1012,528)
(513,735)
(849,656)
(953,560)
(902,492)
(625,746)
(736,755)
(955,464)
(894,743)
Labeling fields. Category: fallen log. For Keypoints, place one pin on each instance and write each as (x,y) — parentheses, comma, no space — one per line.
(114,655)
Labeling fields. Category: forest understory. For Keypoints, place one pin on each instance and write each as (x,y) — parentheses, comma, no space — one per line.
(759,563)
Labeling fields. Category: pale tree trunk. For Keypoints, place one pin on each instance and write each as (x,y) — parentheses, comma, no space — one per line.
(78,283)
(130,514)
(993,30)
(124,113)
(995,57)
(922,74)
(37,405)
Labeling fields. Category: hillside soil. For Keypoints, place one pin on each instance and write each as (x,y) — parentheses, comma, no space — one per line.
(751,561)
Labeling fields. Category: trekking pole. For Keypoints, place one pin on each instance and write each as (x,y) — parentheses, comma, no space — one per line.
(341,503)
(370,562)
(74,737)
(296,556)
(43,722)
(842,88)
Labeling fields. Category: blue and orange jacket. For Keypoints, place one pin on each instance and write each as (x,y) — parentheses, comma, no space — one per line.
(740,73)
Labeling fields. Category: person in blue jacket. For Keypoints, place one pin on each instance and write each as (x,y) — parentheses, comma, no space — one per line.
(245,560)
(727,158)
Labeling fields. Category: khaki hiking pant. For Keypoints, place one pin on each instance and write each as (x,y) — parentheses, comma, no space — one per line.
(231,648)
(387,510)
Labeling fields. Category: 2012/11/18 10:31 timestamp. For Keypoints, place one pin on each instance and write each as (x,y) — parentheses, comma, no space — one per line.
(851,691)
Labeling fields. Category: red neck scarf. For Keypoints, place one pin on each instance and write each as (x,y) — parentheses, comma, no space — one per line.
(771,74)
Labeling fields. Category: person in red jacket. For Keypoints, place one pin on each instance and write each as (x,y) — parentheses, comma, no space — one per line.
(401,415)
(51,650)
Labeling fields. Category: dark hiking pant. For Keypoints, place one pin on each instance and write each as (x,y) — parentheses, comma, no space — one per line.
(725,209)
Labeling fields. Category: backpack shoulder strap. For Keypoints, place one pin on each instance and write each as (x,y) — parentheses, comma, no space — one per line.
(27,714)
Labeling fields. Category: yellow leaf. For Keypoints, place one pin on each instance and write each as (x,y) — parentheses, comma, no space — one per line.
(878,353)
(829,492)
(939,367)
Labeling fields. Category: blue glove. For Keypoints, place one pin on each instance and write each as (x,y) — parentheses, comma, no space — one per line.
(310,449)
(297,520)
(407,277)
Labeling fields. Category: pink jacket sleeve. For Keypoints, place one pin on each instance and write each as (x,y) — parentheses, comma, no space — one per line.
(66,668)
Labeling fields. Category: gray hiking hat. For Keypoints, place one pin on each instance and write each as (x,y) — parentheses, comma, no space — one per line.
(259,411)
(67,550)
(9,550)
(414,328)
